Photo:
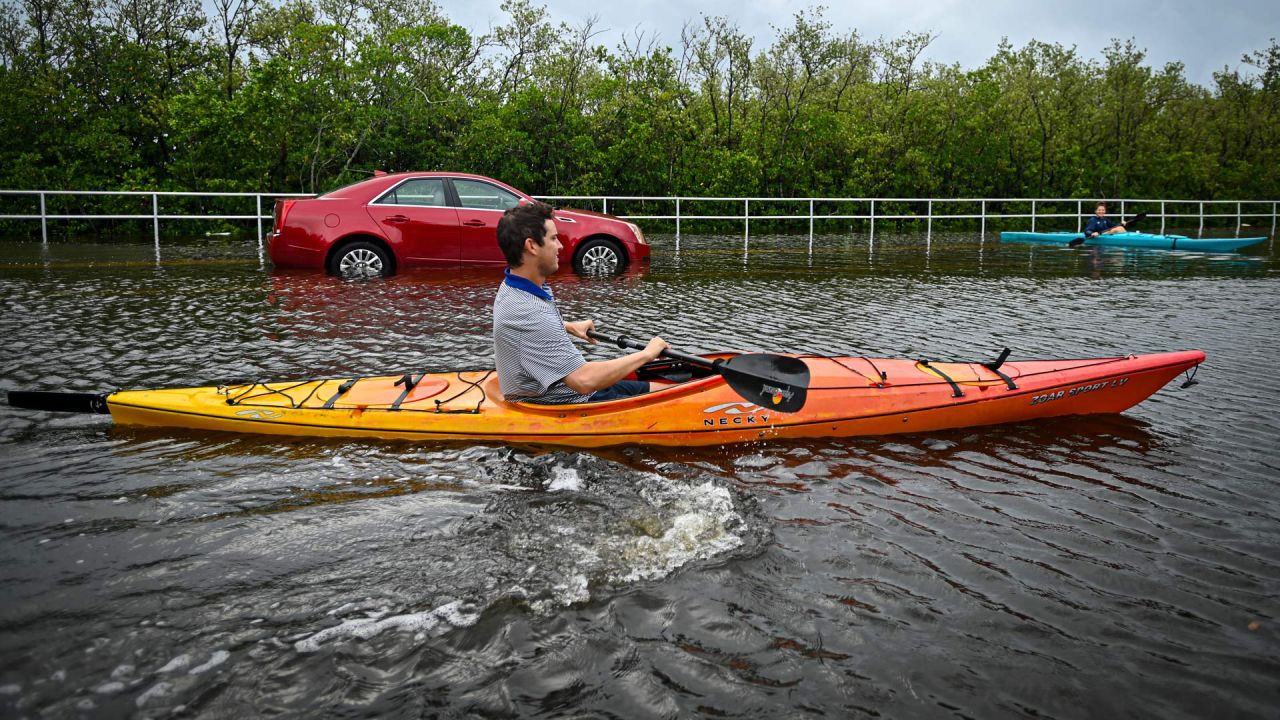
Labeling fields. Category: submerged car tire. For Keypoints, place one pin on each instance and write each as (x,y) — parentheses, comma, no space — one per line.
(599,256)
(361,259)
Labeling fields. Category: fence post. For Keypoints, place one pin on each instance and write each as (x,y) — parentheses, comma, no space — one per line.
(810,226)
(873,221)
(746,222)
(677,223)
(259,199)
(605,210)
(44,222)
(928,231)
(1273,221)
(1079,216)
(155,219)
(1161,217)
(1033,216)
(1239,216)
(983,212)
(1200,232)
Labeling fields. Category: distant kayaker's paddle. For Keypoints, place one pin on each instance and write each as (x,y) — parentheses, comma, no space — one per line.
(775,382)
(1077,242)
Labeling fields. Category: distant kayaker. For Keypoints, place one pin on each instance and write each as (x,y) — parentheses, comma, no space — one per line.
(1100,224)
(536,358)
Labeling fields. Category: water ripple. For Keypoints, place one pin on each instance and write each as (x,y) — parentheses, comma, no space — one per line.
(1064,568)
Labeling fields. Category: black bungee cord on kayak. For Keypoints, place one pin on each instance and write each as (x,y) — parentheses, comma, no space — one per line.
(244,396)
(883,381)
(884,377)
(470,384)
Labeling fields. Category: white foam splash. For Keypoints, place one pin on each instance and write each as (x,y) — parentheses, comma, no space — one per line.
(699,530)
(683,524)
(365,628)
(565,479)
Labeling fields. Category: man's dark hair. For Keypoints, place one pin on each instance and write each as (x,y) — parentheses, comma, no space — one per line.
(520,222)
(1100,205)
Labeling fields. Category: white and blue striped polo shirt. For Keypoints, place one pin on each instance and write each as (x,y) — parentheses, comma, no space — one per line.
(531,349)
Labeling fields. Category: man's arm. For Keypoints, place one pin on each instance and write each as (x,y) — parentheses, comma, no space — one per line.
(600,374)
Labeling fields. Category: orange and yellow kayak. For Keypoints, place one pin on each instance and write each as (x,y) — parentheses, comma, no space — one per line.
(847,396)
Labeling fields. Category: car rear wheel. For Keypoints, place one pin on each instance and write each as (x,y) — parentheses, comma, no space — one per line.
(599,257)
(360,259)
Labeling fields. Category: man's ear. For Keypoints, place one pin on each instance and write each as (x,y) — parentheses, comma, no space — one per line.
(531,245)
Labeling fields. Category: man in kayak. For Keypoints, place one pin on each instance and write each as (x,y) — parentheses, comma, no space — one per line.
(536,359)
(1100,224)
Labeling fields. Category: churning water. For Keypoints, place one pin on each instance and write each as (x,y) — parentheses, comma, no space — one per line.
(1071,568)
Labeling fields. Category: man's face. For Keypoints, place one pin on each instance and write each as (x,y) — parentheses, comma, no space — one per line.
(1101,211)
(547,255)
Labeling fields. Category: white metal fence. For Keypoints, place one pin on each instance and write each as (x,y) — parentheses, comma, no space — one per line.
(753,209)
(155,216)
(1204,209)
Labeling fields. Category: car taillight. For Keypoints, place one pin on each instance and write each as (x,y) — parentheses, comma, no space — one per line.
(282,211)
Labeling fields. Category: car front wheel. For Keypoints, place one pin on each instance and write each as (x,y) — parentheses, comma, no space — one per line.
(360,259)
(599,257)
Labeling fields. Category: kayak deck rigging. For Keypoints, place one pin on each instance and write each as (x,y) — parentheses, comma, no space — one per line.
(405,392)
(351,394)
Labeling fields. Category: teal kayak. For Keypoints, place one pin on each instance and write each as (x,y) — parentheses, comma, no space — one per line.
(1136,239)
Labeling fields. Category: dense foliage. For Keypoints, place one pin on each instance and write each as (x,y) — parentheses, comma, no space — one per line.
(306,95)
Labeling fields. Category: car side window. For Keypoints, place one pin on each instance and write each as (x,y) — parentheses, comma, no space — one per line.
(483,196)
(428,192)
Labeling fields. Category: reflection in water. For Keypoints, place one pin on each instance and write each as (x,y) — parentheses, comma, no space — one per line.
(1060,568)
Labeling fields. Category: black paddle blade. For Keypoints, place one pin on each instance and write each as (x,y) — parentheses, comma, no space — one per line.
(1077,242)
(59,401)
(770,381)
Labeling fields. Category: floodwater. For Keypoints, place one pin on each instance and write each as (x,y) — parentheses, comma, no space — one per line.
(1071,568)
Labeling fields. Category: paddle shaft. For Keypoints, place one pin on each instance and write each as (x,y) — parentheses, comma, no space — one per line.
(626,342)
(775,382)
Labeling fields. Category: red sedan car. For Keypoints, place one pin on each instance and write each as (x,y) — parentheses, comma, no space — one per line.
(389,222)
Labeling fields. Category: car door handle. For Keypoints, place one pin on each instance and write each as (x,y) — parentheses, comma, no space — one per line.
(397,219)
(474,223)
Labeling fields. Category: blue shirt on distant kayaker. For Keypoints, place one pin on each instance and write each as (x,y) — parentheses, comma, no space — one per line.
(536,358)
(1100,224)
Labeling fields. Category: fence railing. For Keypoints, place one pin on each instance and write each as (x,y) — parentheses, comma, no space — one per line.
(1205,209)
(753,209)
(155,216)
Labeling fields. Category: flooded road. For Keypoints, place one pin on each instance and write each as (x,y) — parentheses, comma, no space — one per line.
(1064,568)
